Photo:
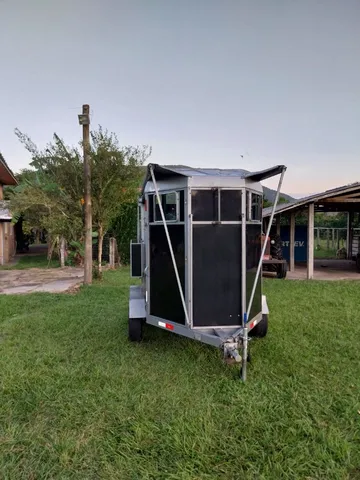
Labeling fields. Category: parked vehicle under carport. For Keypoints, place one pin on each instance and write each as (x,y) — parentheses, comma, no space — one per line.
(273,259)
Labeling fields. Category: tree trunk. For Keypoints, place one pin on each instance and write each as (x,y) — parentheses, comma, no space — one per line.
(100,248)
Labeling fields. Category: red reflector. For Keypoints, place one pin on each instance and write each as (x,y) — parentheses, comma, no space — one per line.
(251,325)
(169,327)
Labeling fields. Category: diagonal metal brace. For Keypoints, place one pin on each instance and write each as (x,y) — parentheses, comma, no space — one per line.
(170,245)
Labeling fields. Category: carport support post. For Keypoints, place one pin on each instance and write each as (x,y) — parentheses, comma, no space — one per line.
(292,242)
(348,235)
(310,252)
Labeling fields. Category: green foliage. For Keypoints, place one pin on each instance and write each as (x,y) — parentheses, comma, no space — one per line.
(50,197)
(124,229)
(331,221)
(45,205)
(76,251)
(116,179)
(266,202)
(338,220)
(32,261)
(282,200)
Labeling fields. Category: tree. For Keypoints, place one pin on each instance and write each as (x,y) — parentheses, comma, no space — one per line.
(266,203)
(51,195)
(46,206)
(116,176)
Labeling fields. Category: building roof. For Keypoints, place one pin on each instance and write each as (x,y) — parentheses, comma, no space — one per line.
(337,199)
(6,175)
(166,171)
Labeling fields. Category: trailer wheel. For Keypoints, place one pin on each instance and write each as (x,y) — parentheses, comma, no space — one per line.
(260,330)
(358,262)
(135,329)
(281,270)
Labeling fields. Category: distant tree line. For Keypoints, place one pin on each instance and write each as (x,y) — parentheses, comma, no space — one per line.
(324,220)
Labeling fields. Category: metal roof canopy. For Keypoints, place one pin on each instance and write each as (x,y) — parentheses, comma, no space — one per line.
(163,172)
(340,199)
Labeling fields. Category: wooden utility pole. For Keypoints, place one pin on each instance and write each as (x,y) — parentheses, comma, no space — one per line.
(84,120)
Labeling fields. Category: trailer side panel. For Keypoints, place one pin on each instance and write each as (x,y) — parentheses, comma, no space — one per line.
(165,300)
(216,275)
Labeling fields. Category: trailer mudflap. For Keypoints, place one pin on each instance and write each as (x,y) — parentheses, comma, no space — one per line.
(137,307)
(264,305)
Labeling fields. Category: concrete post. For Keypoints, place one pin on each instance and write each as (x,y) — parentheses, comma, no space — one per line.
(112,252)
(62,252)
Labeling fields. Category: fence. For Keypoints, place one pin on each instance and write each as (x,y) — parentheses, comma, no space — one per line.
(328,241)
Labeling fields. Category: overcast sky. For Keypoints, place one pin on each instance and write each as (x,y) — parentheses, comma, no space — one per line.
(202,81)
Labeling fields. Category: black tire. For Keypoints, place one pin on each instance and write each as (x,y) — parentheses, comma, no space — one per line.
(260,330)
(135,329)
(281,270)
(276,247)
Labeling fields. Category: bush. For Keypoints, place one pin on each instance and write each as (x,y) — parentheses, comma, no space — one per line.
(124,230)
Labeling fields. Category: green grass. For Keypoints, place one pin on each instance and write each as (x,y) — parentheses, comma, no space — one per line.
(78,401)
(32,261)
(322,251)
(325,253)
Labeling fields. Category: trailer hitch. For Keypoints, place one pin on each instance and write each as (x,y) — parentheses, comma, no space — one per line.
(231,353)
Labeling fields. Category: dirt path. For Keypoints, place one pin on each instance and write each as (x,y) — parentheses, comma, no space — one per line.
(54,280)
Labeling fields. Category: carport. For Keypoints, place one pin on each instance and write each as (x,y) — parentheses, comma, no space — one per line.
(341,199)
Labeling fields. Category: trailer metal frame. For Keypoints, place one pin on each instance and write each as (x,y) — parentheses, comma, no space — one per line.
(232,339)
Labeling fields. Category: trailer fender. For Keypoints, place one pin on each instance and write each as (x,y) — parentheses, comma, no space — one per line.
(265,308)
(137,307)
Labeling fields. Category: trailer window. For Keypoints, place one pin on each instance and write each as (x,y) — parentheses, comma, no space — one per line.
(170,206)
(204,205)
(230,205)
(254,202)
(182,205)
(150,206)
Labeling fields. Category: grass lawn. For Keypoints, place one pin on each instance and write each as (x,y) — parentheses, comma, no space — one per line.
(322,251)
(78,401)
(32,261)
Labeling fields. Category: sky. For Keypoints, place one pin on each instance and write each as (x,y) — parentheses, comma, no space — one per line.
(209,83)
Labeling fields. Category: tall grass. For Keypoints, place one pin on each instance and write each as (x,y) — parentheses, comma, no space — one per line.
(78,401)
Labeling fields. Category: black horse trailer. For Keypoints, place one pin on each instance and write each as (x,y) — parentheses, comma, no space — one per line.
(199,254)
